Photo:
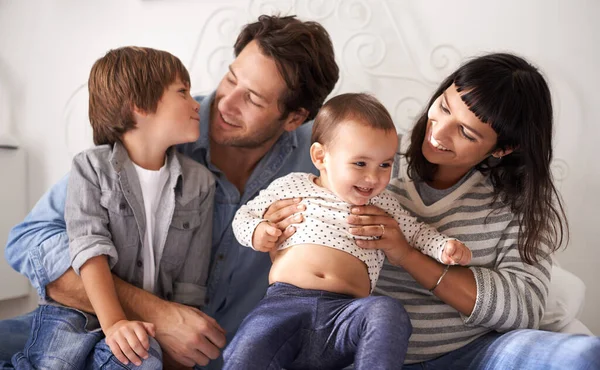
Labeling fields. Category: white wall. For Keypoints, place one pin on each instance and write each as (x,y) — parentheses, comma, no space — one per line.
(396,49)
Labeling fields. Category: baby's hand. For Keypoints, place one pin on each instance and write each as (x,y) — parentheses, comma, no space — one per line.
(456,253)
(129,340)
(265,237)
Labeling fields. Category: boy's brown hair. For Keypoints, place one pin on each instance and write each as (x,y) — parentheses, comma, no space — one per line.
(304,55)
(358,107)
(125,78)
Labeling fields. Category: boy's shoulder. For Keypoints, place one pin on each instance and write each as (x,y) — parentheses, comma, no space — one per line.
(194,173)
(96,156)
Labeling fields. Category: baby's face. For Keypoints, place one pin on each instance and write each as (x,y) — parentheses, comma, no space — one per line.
(358,162)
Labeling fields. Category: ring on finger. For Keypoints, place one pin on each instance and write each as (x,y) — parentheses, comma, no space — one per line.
(382,230)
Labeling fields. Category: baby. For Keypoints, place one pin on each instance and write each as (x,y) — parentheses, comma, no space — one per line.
(317,312)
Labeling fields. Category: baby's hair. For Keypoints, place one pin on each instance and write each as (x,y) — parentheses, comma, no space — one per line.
(357,107)
(125,78)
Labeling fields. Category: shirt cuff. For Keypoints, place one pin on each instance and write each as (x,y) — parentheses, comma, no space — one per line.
(83,256)
(49,262)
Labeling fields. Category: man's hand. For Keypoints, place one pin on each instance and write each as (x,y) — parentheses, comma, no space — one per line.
(265,237)
(185,334)
(282,214)
(188,335)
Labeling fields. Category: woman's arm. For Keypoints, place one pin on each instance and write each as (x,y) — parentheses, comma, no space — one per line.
(509,295)
(458,288)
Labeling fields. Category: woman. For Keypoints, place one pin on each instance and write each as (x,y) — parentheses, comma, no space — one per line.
(477,167)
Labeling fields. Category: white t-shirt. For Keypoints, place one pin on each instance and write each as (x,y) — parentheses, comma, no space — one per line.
(152,184)
(325,221)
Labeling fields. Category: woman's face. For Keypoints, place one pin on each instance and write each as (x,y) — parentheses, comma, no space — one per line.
(456,140)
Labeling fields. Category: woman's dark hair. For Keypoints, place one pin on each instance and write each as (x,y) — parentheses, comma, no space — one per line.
(304,56)
(508,93)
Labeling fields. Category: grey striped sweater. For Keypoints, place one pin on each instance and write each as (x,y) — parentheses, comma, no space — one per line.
(510,293)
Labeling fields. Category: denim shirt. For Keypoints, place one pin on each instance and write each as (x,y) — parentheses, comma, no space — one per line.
(238,278)
(105,215)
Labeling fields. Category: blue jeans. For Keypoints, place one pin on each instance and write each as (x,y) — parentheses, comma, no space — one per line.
(59,338)
(520,349)
(313,329)
(13,336)
(524,349)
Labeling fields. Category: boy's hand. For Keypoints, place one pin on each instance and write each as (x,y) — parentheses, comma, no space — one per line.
(128,340)
(456,253)
(266,236)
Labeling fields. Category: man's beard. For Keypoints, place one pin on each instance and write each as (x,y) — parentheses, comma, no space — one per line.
(253,141)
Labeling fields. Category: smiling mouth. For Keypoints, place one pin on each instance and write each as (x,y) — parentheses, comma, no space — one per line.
(363,191)
(227,122)
(436,144)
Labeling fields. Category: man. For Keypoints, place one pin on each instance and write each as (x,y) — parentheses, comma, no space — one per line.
(252,132)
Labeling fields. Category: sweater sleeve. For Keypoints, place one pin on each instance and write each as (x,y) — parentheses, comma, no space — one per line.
(251,214)
(511,295)
(418,234)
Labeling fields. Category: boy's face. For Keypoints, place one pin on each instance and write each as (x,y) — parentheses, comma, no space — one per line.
(176,120)
(246,108)
(357,163)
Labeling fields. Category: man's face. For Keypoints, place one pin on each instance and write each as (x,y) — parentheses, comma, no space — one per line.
(246,112)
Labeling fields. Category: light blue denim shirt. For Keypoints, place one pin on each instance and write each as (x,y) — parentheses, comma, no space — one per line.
(238,278)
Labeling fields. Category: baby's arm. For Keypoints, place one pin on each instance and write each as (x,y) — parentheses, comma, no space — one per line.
(249,227)
(92,255)
(425,238)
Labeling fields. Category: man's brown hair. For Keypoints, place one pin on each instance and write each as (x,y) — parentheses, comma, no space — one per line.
(125,78)
(358,107)
(304,56)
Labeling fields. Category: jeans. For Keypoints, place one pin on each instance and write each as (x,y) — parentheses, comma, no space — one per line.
(312,329)
(524,349)
(13,336)
(59,338)
(520,349)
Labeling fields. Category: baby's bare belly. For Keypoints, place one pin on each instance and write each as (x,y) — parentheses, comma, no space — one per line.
(311,266)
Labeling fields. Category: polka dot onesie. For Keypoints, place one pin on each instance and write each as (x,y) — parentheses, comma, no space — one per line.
(325,221)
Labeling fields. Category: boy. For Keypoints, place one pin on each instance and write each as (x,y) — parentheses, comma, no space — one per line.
(317,313)
(134,206)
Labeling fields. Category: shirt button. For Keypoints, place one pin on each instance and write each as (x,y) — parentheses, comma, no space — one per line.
(186,225)
(221,257)
(122,206)
(139,263)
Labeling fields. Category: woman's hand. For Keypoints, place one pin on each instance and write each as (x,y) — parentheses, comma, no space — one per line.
(373,221)
(282,214)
